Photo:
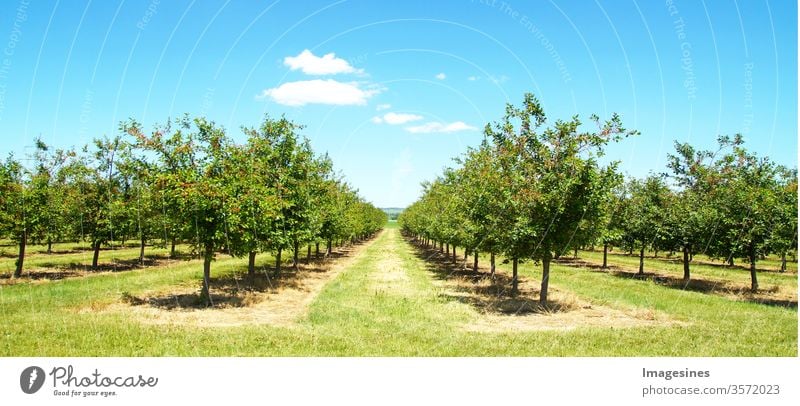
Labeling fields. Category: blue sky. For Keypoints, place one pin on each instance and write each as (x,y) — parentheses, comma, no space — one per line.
(410,84)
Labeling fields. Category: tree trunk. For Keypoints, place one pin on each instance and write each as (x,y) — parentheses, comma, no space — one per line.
(753,278)
(576,253)
(278,262)
(308,255)
(294,255)
(441,247)
(96,255)
(316,252)
(514,277)
(466,254)
(686,263)
(605,255)
(205,294)
(475,262)
(730,261)
(783,262)
(172,249)
(330,248)
(641,261)
(49,246)
(545,278)
(142,242)
(251,264)
(23,241)
(454,255)
(447,250)
(491,266)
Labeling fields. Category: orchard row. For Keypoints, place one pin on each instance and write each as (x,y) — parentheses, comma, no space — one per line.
(533,191)
(186,181)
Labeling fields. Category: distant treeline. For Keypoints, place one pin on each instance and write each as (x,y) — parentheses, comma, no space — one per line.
(392,212)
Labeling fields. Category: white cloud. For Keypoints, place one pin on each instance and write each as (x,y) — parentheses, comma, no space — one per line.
(396,118)
(383,107)
(441,76)
(319,91)
(436,127)
(472,78)
(311,64)
(400,118)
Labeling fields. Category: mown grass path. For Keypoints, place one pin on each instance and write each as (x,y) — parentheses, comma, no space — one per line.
(385,302)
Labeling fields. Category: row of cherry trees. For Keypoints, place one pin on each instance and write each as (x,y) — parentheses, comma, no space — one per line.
(186,181)
(726,203)
(533,191)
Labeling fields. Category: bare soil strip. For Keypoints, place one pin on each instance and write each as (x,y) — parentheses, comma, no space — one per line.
(278,302)
(497,311)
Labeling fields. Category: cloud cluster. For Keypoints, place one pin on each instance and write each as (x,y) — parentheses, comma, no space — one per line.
(337,93)
(320,91)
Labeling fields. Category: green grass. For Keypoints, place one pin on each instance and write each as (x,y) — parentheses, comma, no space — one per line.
(77,256)
(352,316)
(701,267)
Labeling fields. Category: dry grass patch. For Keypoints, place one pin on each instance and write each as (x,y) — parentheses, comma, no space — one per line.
(238,301)
(497,310)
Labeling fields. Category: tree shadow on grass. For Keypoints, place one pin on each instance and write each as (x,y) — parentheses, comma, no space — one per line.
(240,289)
(226,292)
(580,263)
(40,274)
(120,265)
(486,293)
(707,286)
(677,259)
(58,271)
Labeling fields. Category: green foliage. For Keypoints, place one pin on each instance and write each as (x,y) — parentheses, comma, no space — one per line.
(529,192)
(532,191)
(189,181)
(645,213)
(271,193)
